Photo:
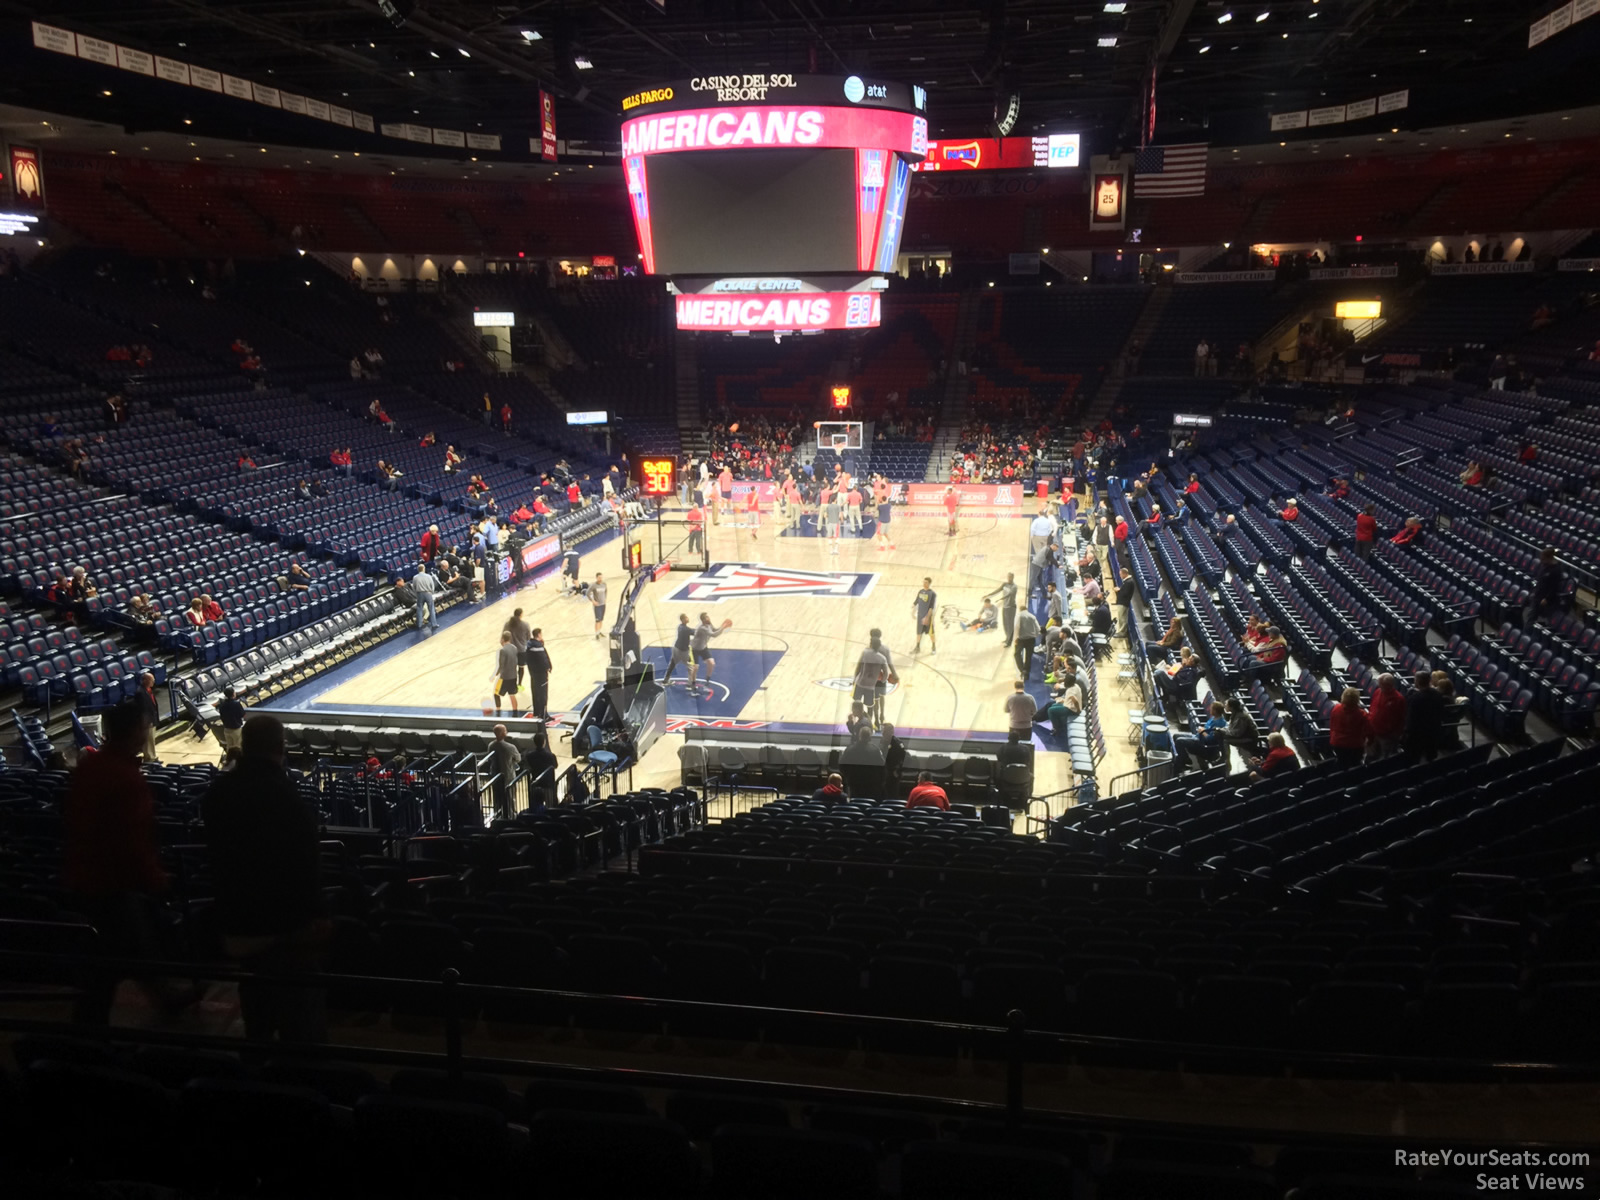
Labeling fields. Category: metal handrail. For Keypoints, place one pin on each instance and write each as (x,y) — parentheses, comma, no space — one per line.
(450,987)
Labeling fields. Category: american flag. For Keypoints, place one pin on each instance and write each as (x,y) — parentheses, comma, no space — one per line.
(1170,170)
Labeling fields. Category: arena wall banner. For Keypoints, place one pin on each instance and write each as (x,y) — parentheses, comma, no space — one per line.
(1525,267)
(1226,276)
(1578,264)
(1387,271)
(993,495)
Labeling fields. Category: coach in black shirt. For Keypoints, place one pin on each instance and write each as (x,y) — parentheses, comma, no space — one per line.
(539,668)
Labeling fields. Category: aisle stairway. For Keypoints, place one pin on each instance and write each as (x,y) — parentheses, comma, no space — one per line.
(953,408)
(1111,390)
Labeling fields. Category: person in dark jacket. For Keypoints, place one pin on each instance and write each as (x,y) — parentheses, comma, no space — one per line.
(265,854)
(1424,714)
(539,668)
(894,756)
(832,792)
(1242,730)
(1549,581)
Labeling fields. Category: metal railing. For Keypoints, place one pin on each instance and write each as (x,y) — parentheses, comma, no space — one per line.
(455,1002)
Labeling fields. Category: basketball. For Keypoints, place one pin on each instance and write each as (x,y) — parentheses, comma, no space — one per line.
(734,428)
(727,623)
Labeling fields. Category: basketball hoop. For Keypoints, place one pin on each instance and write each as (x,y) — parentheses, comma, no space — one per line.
(840,442)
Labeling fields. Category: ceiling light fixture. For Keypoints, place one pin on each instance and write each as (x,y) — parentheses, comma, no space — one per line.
(1115,6)
(1260,17)
(581,61)
(1224,18)
(433,54)
(462,50)
(532,35)
(1204,49)
(1108,40)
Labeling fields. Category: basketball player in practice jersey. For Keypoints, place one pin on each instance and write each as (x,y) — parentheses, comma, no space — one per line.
(923,606)
(682,654)
(700,647)
(880,495)
(830,520)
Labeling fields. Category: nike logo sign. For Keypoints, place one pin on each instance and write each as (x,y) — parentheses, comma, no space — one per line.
(1366,358)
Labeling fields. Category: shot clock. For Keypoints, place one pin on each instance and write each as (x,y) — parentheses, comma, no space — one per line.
(658,476)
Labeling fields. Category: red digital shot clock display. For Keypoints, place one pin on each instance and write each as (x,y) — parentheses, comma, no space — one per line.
(658,476)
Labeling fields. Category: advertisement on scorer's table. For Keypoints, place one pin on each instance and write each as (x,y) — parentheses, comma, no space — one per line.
(996,495)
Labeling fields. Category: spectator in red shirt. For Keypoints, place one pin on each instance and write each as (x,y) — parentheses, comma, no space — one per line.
(1192,486)
(1275,649)
(1280,759)
(1386,718)
(574,495)
(505,417)
(430,543)
(112,866)
(1349,729)
(1529,453)
(213,610)
(927,794)
(246,463)
(1339,489)
(1473,475)
(1366,532)
(1291,510)
(1120,533)
(1408,534)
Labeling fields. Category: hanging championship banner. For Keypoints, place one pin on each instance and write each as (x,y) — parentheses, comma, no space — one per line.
(27,177)
(547,126)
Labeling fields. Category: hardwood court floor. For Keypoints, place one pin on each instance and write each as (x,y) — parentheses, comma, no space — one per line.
(786,656)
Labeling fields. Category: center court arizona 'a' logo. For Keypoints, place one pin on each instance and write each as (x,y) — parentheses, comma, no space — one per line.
(744,581)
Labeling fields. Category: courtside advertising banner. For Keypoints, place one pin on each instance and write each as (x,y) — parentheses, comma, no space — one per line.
(991,495)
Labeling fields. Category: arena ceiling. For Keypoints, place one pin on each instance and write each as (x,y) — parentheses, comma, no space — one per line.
(1221,66)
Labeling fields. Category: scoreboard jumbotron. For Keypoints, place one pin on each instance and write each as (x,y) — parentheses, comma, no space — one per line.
(775,202)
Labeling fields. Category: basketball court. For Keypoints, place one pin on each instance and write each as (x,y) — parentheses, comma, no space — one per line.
(801,614)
